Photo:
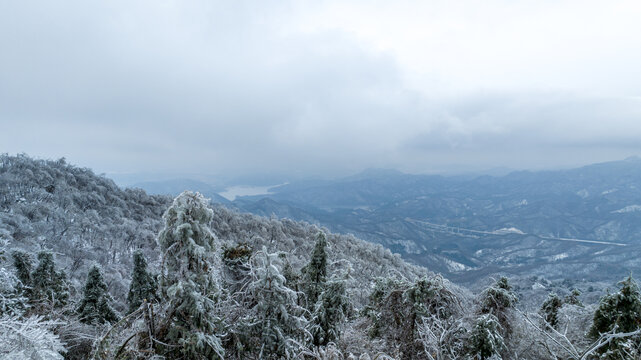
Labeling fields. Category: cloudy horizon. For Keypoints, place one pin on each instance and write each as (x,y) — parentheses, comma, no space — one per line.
(320,88)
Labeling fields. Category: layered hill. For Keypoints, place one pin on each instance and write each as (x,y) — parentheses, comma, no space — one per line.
(85,219)
(582,223)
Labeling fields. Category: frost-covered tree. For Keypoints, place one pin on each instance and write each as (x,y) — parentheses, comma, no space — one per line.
(384,298)
(314,274)
(188,280)
(143,285)
(499,300)
(23,263)
(331,310)
(94,307)
(485,340)
(49,286)
(11,300)
(550,309)
(430,296)
(573,298)
(292,277)
(236,266)
(398,308)
(278,322)
(619,312)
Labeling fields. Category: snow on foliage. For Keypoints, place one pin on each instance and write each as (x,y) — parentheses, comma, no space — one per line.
(188,278)
(29,339)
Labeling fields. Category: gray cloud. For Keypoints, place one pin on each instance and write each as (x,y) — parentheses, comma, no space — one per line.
(234,88)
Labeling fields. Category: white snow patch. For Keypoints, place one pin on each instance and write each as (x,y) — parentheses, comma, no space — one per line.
(559,256)
(511,230)
(609,191)
(628,209)
(522,202)
(538,286)
(455,266)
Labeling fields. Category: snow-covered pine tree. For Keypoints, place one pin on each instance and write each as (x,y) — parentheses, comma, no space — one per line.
(143,284)
(49,286)
(330,312)
(485,340)
(621,312)
(279,324)
(573,298)
(314,274)
(94,307)
(23,263)
(499,300)
(550,309)
(188,281)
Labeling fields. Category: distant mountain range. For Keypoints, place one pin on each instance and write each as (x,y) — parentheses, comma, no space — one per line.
(468,227)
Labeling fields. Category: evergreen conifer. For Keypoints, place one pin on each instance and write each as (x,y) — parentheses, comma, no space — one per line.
(485,339)
(499,300)
(550,309)
(573,298)
(621,312)
(279,321)
(143,284)
(24,266)
(49,286)
(314,274)
(94,307)
(330,312)
(188,282)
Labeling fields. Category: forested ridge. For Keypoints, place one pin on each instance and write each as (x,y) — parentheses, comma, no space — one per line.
(89,270)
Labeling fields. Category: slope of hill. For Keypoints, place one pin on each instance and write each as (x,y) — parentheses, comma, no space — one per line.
(86,218)
(82,217)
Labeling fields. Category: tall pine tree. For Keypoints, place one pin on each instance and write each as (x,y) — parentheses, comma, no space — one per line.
(279,321)
(94,307)
(314,274)
(330,312)
(499,300)
(188,282)
(49,286)
(143,284)
(24,265)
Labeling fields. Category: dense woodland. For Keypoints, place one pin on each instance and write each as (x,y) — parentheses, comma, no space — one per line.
(92,271)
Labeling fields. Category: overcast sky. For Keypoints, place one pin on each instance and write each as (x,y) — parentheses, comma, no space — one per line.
(320,87)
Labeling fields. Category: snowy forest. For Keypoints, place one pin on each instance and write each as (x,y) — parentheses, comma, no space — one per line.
(92,271)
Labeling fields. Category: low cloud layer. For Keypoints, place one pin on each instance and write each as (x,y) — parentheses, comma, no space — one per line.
(249,87)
